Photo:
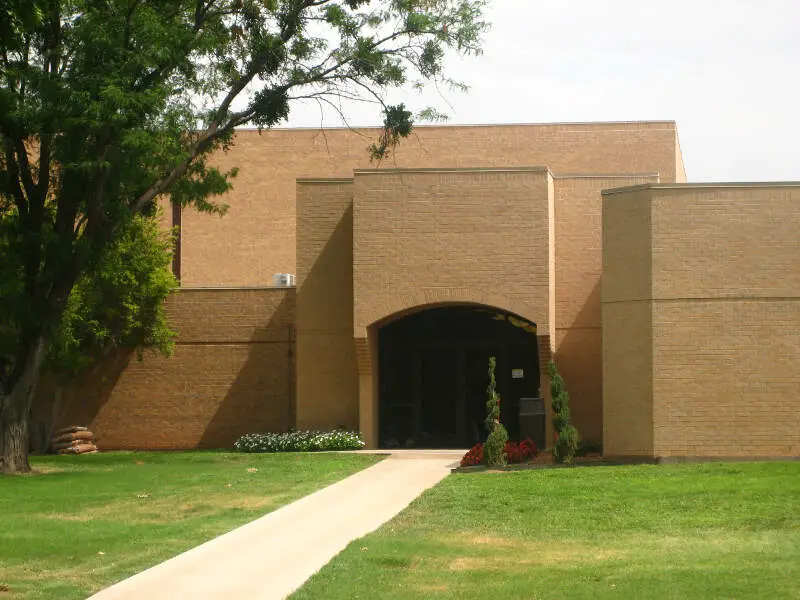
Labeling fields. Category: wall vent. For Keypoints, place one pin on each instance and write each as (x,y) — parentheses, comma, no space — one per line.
(283,280)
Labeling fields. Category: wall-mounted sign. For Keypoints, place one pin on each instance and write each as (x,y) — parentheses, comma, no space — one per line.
(517,373)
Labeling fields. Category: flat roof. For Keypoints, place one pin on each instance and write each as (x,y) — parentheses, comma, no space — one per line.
(671,122)
(324,180)
(381,171)
(453,170)
(681,186)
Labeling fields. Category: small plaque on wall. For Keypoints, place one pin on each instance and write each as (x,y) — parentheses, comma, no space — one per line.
(517,373)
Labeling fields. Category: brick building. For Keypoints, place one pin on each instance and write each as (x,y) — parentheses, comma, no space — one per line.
(470,242)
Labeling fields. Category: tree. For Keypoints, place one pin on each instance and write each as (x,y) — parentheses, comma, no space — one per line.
(107,106)
(116,305)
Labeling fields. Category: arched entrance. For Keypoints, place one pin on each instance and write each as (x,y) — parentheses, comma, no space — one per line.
(433,374)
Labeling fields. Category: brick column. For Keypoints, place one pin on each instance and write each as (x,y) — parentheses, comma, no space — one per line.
(545,354)
(366,357)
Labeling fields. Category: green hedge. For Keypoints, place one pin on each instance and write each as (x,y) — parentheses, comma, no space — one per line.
(299,441)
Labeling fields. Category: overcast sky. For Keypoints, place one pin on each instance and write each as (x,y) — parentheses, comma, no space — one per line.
(726,70)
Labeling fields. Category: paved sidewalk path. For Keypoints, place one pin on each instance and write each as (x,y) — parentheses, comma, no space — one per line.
(274,555)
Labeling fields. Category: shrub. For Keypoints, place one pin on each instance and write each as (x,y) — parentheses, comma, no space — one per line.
(299,441)
(567,437)
(520,452)
(495,446)
(515,452)
(498,436)
(474,456)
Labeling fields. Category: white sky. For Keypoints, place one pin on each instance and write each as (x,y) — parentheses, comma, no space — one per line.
(726,70)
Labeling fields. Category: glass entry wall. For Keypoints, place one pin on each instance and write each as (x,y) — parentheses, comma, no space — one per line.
(434,374)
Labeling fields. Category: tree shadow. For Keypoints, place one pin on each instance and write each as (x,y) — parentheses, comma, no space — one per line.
(262,395)
(76,401)
(228,376)
(325,299)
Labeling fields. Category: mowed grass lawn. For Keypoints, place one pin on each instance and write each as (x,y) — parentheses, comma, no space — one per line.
(636,532)
(84,522)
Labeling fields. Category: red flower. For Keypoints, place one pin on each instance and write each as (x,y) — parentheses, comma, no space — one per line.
(473,457)
(516,452)
(519,452)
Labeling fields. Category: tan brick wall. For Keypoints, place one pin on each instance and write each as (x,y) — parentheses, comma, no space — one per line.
(256,239)
(232,372)
(727,378)
(725,316)
(424,237)
(327,380)
(627,352)
(726,242)
(726,281)
(627,348)
(578,269)
(680,170)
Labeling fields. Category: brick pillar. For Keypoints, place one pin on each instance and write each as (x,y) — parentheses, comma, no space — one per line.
(367,359)
(545,354)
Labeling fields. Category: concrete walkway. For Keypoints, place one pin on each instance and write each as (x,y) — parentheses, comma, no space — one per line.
(273,556)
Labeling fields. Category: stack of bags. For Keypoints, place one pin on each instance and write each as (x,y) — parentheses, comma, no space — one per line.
(73,440)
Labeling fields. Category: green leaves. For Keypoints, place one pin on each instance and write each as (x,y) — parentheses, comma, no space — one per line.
(16,18)
(494,448)
(108,106)
(300,441)
(397,123)
(341,20)
(430,60)
(270,107)
(567,437)
(118,301)
(268,54)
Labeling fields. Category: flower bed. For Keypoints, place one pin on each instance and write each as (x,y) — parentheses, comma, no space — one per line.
(299,441)
(516,452)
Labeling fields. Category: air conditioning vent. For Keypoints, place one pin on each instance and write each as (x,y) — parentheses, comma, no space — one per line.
(283,280)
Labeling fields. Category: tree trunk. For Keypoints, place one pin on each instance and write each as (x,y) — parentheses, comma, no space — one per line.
(14,441)
(15,408)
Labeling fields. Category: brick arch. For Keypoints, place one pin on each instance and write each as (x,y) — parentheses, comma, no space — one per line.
(368,322)
(400,305)
(403,305)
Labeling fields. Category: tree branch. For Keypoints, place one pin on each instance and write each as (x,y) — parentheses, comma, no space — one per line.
(45,148)
(25,171)
(13,178)
(164,183)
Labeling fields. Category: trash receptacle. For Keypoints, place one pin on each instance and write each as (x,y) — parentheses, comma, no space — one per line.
(532,417)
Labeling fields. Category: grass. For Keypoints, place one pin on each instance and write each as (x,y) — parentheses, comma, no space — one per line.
(81,523)
(678,532)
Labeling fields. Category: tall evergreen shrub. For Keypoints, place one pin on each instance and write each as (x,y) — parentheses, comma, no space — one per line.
(567,436)
(498,436)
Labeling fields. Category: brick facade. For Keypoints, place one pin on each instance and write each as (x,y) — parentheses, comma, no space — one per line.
(429,237)
(257,236)
(327,390)
(485,226)
(701,314)
(578,271)
(672,310)
(232,372)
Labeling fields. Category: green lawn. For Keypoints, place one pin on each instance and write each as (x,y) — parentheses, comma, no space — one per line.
(638,532)
(82,523)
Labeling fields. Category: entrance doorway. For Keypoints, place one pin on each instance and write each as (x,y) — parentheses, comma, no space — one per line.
(433,375)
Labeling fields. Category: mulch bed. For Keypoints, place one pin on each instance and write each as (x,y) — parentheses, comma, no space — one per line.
(543,460)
